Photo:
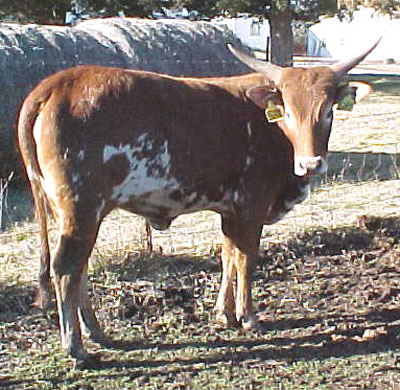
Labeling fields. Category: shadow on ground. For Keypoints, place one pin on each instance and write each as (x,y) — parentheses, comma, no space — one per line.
(323,294)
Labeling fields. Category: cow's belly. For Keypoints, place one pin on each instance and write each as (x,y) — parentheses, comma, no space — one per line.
(161,206)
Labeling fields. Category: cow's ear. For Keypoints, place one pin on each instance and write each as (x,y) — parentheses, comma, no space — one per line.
(351,93)
(261,95)
(362,89)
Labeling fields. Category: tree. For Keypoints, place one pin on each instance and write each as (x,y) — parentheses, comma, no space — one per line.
(140,8)
(204,7)
(384,6)
(53,11)
(280,15)
(38,11)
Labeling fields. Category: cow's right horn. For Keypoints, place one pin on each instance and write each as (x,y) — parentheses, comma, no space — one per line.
(342,67)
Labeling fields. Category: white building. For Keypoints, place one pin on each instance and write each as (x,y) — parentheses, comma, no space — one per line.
(252,31)
(341,39)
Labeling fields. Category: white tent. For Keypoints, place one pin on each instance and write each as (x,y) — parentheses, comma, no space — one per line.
(338,39)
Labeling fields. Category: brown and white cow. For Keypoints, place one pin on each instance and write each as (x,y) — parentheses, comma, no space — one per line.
(95,138)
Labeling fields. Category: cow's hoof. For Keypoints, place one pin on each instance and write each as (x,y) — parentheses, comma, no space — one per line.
(226,320)
(90,362)
(250,323)
(44,300)
(101,338)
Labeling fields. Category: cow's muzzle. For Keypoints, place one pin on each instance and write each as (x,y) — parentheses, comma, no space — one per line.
(310,166)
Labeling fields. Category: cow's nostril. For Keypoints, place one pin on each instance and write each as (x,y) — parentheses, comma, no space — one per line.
(318,165)
(311,165)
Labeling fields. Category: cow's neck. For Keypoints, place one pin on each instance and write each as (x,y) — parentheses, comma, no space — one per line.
(238,85)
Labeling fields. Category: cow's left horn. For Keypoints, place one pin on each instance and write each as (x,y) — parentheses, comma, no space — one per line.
(273,72)
(342,67)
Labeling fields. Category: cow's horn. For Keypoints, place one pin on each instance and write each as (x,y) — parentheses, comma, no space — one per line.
(273,72)
(342,67)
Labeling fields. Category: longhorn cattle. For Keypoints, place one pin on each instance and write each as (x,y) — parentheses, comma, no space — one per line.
(94,139)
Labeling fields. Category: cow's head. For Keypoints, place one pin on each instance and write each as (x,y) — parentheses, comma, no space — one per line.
(301,101)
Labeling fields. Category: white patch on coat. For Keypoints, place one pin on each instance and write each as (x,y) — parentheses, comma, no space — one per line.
(37,128)
(143,176)
(235,196)
(149,184)
(81,155)
(60,219)
(249,130)
(191,197)
(31,173)
(100,209)
(49,187)
(152,201)
(110,151)
(249,161)
(77,178)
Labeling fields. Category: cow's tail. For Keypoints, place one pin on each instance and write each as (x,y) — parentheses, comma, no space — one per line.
(26,120)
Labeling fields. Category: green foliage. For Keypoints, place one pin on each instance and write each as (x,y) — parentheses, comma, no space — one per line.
(386,6)
(312,9)
(301,9)
(129,7)
(39,11)
(204,7)
(53,11)
(234,7)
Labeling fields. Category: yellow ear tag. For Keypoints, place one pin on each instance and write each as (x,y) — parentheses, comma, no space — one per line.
(272,112)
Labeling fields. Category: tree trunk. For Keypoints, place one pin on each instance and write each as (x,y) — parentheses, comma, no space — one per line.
(280,22)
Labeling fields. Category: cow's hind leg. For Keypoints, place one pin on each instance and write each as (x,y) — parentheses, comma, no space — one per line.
(88,320)
(69,269)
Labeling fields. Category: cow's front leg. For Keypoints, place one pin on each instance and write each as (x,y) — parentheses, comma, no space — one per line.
(225,307)
(244,305)
(244,236)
